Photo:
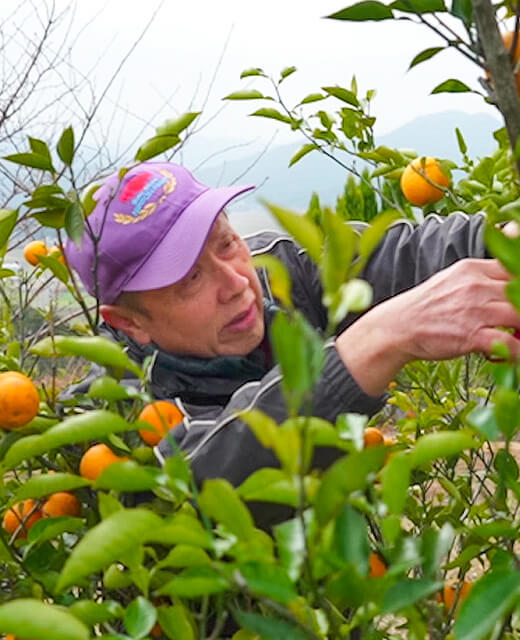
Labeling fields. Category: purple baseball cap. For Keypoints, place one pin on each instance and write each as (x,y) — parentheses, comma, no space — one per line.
(152,225)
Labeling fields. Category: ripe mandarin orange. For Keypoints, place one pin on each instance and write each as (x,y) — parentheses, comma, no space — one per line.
(96,459)
(61,503)
(161,416)
(33,250)
(449,593)
(22,513)
(373,437)
(416,189)
(56,252)
(377,566)
(19,400)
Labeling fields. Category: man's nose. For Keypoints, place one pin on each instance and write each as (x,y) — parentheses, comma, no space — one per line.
(231,282)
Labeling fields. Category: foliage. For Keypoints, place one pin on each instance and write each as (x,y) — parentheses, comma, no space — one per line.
(151,548)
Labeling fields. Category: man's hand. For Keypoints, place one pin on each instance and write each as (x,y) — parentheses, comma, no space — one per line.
(455,312)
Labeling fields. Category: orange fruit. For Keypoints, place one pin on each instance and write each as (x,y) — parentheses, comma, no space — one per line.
(377,566)
(61,503)
(416,189)
(161,416)
(449,593)
(23,514)
(96,459)
(33,250)
(19,400)
(388,441)
(373,437)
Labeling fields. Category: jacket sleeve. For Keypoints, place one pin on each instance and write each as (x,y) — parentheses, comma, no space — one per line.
(410,254)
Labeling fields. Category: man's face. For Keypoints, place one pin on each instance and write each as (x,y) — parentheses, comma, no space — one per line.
(216,309)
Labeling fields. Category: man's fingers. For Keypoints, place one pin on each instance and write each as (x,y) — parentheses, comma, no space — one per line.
(488,337)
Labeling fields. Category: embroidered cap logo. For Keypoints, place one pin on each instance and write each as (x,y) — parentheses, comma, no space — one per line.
(139,189)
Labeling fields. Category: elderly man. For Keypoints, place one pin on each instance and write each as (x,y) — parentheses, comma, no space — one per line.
(175,280)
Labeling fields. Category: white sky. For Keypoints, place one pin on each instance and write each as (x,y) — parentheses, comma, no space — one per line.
(182,47)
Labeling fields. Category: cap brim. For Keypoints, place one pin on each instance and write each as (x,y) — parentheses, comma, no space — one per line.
(180,248)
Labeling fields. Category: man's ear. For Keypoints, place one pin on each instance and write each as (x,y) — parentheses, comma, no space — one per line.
(126,321)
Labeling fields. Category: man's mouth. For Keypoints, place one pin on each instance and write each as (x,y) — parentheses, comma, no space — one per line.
(244,320)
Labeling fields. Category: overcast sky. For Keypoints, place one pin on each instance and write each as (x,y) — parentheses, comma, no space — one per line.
(178,56)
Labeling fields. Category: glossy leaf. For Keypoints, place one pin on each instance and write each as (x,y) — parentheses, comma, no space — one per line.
(290,543)
(8,219)
(279,278)
(182,529)
(351,542)
(491,598)
(270,627)
(441,445)
(425,55)
(503,247)
(92,613)
(419,6)
(255,71)
(95,348)
(65,146)
(271,113)
(220,501)
(342,94)
(313,97)
(285,73)
(452,86)
(155,146)
(130,476)
(269,581)
(302,151)
(106,543)
(247,94)
(177,125)
(363,11)
(175,622)
(74,222)
(184,555)
(395,480)
(270,485)
(49,529)
(349,474)
(56,267)
(140,617)
(45,484)
(108,388)
(92,425)
(32,160)
(30,618)
(195,582)
(406,592)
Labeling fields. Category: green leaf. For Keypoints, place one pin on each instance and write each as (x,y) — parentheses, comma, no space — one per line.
(40,148)
(406,592)
(503,247)
(342,94)
(248,94)
(53,218)
(441,444)
(490,600)
(29,618)
(425,55)
(184,555)
(302,151)
(95,348)
(65,146)
(33,160)
(483,419)
(354,295)
(130,476)
(507,411)
(268,627)
(49,529)
(182,529)
(290,543)
(279,278)
(419,6)
(306,233)
(255,71)
(435,546)
(395,480)
(106,543)
(140,617)
(363,11)
(91,425)
(349,474)
(452,86)
(313,97)
(195,582)
(270,485)
(175,126)
(351,539)
(175,622)
(220,501)
(513,292)
(269,581)
(74,222)
(156,145)
(55,267)
(8,218)
(43,485)
(271,113)
(339,249)
(92,613)
(108,388)
(285,73)
(372,236)
(463,10)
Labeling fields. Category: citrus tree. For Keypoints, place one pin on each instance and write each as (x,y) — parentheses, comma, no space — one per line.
(412,531)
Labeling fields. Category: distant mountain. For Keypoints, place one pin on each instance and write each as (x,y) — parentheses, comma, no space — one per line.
(292,187)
